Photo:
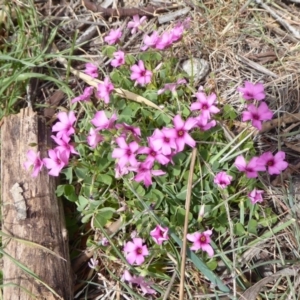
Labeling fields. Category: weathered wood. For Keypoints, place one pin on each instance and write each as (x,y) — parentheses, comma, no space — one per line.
(42,222)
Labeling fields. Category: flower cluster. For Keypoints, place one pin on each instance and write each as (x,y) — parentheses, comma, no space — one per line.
(147,157)
(59,156)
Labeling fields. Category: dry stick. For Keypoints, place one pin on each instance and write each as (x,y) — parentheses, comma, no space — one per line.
(149,11)
(186,223)
(286,118)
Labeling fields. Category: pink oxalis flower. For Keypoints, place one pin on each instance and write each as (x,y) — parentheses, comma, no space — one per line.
(135,251)
(256,196)
(164,41)
(159,234)
(65,126)
(113,37)
(251,168)
(252,91)
(119,59)
(126,152)
(205,104)
(93,263)
(128,129)
(171,86)
(150,41)
(144,173)
(140,281)
(163,140)
(34,161)
(94,138)
(201,241)
(140,74)
(56,161)
(91,70)
(180,132)
(100,120)
(203,124)
(153,154)
(87,93)
(222,179)
(257,114)
(274,163)
(136,23)
(64,144)
(104,90)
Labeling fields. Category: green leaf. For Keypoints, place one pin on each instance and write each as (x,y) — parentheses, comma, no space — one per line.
(213,264)
(68,173)
(82,203)
(239,229)
(69,192)
(103,216)
(81,173)
(106,179)
(60,190)
(252,226)
(109,50)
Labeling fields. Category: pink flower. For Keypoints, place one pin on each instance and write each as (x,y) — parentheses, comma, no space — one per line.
(257,114)
(165,41)
(119,59)
(113,36)
(201,241)
(65,126)
(203,123)
(163,140)
(140,281)
(252,91)
(126,153)
(159,234)
(222,179)
(180,132)
(100,120)
(150,41)
(136,23)
(104,90)
(177,32)
(58,159)
(63,144)
(205,104)
(256,196)
(171,86)
(251,169)
(153,154)
(87,93)
(94,138)
(93,264)
(135,131)
(34,160)
(144,173)
(91,70)
(140,74)
(121,171)
(135,251)
(275,164)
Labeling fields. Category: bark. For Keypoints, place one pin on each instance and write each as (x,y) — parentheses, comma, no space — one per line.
(31,216)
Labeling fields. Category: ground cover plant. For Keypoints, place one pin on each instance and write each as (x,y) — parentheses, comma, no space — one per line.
(130,162)
(127,160)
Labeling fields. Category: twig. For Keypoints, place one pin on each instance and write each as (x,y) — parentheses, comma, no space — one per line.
(256,66)
(149,11)
(279,19)
(186,223)
(286,118)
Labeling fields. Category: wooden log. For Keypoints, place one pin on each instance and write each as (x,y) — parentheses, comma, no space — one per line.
(31,216)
